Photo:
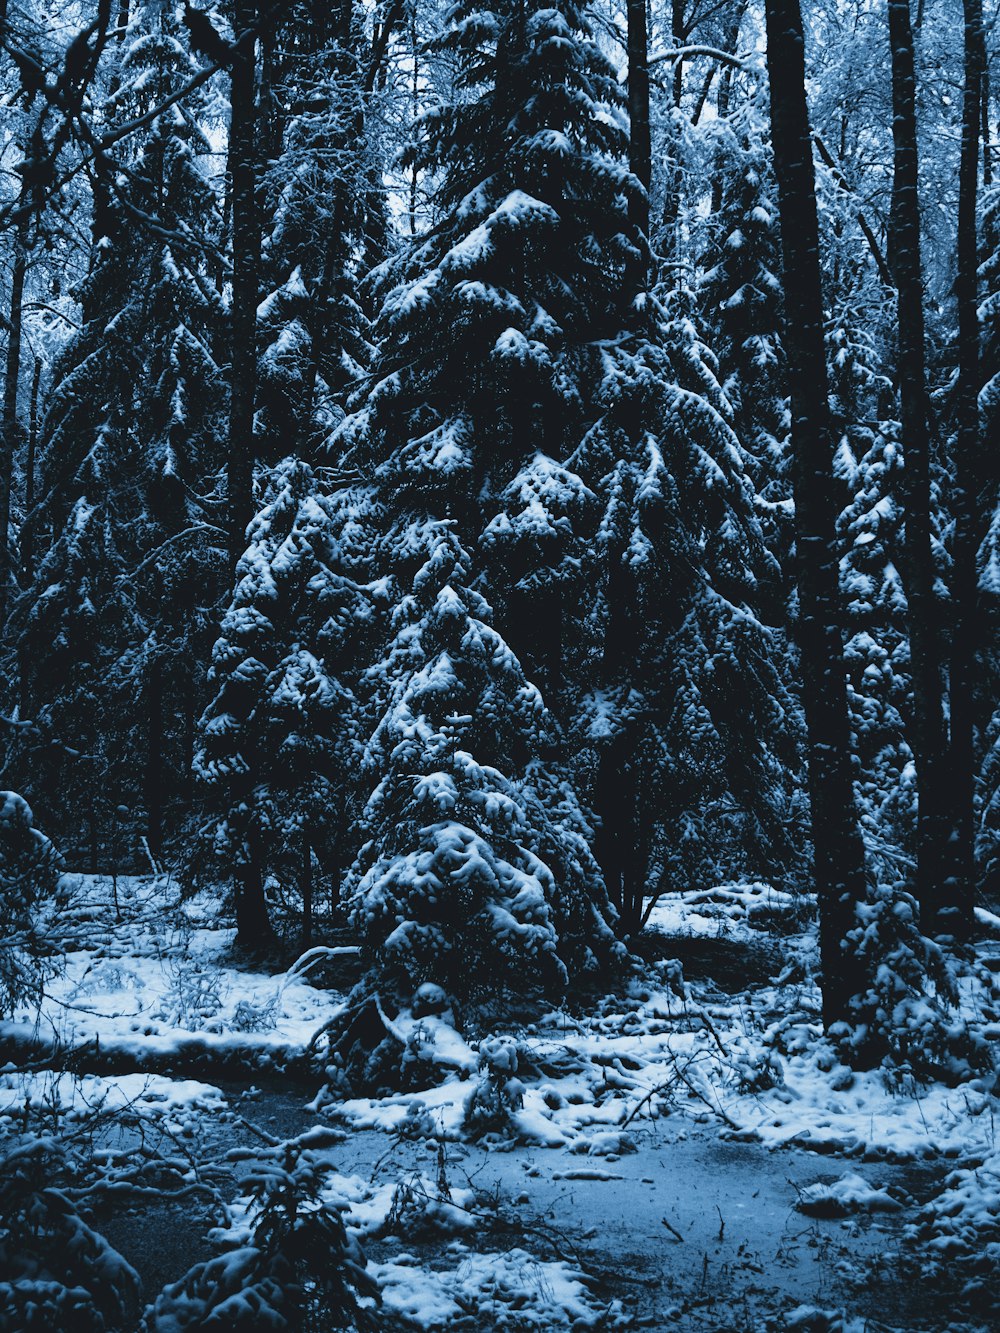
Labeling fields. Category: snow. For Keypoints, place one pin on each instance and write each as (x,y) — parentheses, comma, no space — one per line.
(851,1194)
(544,1295)
(161,983)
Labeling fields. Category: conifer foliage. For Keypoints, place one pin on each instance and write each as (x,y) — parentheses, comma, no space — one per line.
(279,742)
(118,615)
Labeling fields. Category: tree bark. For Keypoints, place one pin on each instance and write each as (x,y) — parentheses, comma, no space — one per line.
(838,854)
(246,271)
(951,915)
(10,425)
(154,755)
(926,629)
(640,149)
(28,531)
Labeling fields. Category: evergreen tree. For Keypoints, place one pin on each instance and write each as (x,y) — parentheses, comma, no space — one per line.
(280,742)
(324,198)
(475,878)
(524,265)
(740,293)
(114,625)
(694,731)
(876,650)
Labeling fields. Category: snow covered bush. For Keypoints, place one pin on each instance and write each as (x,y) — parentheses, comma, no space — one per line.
(28,874)
(497,1092)
(901,1018)
(56,1271)
(296,1269)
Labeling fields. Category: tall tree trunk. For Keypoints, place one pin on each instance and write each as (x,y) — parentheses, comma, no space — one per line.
(28,531)
(924,617)
(10,426)
(952,914)
(640,150)
(154,755)
(838,853)
(307,893)
(246,272)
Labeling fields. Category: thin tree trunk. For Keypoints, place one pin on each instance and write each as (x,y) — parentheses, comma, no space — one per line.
(838,854)
(154,756)
(307,893)
(924,618)
(10,425)
(640,149)
(246,270)
(28,531)
(952,914)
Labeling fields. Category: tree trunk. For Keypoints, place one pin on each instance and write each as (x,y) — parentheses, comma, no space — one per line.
(307,893)
(28,530)
(10,426)
(924,618)
(154,755)
(838,854)
(640,150)
(253,926)
(951,915)
(246,269)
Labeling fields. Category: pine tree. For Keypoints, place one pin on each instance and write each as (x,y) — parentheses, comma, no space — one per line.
(280,742)
(876,650)
(325,198)
(525,264)
(475,880)
(740,295)
(694,731)
(114,624)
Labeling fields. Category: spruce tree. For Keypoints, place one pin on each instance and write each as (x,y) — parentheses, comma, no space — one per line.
(475,881)
(696,750)
(523,268)
(115,622)
(280,742)
(324,197)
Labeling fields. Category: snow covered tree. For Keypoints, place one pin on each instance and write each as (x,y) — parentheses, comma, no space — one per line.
(740,294)
(280,743)
(877,647)
(693,730)
(29,868)
(113,629)
(324,196)
(524,265)
(475,877)
(298,1267)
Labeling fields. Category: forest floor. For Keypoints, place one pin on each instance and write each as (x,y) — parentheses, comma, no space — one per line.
(688,1158)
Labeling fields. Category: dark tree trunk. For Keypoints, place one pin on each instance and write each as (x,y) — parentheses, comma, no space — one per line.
(10,424)
(28,531)
(838,853)
(253,925)
(640,150)
(952,914)
(154,756)
(246,271)
(926,629)
(307,893)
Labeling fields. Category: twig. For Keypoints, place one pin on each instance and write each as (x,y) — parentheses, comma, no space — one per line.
(672,1229)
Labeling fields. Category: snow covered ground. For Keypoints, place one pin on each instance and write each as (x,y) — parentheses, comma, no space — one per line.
(146,976)
(676,1157)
